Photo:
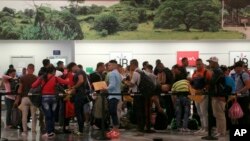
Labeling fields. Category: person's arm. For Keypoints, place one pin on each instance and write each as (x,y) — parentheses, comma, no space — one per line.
(79,82)
(36,83)
(133,80)
(246,87)
(111,81)
(6,77)
(62,81)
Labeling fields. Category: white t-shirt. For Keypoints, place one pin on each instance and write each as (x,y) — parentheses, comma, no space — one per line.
(135,80)
(58,73)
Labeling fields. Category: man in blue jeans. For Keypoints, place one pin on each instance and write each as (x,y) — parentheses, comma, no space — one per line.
(114,87)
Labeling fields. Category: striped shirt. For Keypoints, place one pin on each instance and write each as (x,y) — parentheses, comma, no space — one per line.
(181,86)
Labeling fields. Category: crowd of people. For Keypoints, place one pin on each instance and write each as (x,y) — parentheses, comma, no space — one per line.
(78,93)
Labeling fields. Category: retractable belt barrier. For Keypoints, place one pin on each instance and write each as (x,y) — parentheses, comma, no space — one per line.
(103,136)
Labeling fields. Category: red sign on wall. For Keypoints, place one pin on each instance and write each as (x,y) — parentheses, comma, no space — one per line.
(191,55)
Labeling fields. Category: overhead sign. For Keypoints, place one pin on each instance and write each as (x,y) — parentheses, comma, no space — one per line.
(123,58)
(191,55)
(239,56)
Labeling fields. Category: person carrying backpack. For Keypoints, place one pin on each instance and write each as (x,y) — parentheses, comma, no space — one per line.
(199,81)
(242,82)
(219,91)
(142,84)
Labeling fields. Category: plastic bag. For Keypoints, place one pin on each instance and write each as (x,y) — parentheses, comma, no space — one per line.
(235,112)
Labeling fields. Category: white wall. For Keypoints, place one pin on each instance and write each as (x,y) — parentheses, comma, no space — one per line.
(38,49)
(89,53)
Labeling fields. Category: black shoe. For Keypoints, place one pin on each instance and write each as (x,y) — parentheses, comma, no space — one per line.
(66,131)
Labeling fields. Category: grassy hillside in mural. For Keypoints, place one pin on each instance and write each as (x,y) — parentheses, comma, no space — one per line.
(128,20)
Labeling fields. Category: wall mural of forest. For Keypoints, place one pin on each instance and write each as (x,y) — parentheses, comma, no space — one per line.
(128,20)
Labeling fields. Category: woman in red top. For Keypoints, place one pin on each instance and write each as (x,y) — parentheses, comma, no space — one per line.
(49,101)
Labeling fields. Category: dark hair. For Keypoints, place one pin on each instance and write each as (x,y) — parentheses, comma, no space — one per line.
(80,66)
(199,59)
(70,66)
(99,65)
(119,66)
(10,71)
(239,64)
(145,63)
(224,68)
(184,59)
(59,63)
(158,61)
(31,66)
(149,67)
(113,61)
(134,62)
(46,62)
(11,66)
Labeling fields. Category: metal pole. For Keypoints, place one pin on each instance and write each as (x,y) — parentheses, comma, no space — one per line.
(102,134)
(1,139)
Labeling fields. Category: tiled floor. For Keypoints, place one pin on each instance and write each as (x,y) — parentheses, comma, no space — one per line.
(91,135)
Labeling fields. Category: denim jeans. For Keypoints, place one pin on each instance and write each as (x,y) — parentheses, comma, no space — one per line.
(113,111)
(49,104)
(9,105)
(182,103)
(79,110)
(202,110)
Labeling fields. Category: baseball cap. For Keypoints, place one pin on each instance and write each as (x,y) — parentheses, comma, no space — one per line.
(213,59)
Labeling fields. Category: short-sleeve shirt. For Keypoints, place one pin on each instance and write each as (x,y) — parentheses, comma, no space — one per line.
(26,82)
(135,80)
(82,88)
(239,83)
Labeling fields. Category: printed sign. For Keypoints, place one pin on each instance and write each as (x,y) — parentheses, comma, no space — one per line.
(191,55)
(239,56)
(122,58)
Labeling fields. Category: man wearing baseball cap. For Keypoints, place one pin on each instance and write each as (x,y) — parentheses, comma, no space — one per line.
(218,101)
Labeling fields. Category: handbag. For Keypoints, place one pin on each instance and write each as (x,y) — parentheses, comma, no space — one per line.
(235,112)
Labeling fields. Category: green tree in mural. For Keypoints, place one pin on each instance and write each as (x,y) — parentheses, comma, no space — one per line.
(53,25)
(106,22)
(191,14)
(9,10)
(236,5)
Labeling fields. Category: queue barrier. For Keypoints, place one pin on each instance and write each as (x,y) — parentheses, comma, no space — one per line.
(104,95)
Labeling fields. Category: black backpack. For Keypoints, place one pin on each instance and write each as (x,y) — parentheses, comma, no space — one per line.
(200,82)
(146,86)
(14,85)
(161,121)
(221,88)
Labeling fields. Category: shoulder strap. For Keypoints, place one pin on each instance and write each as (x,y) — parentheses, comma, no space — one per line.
(46,82)
(241,78)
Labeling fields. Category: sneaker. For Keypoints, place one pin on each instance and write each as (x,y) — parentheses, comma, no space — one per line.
(86,124)
(51,135)
(219,135)
(185,130)
(45,135)
(95,127)
(199,131)
(115,134)
(108,134)
(24,134)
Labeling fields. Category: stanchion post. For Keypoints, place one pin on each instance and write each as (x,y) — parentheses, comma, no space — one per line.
(1,139)
(210,114)
(103,135)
